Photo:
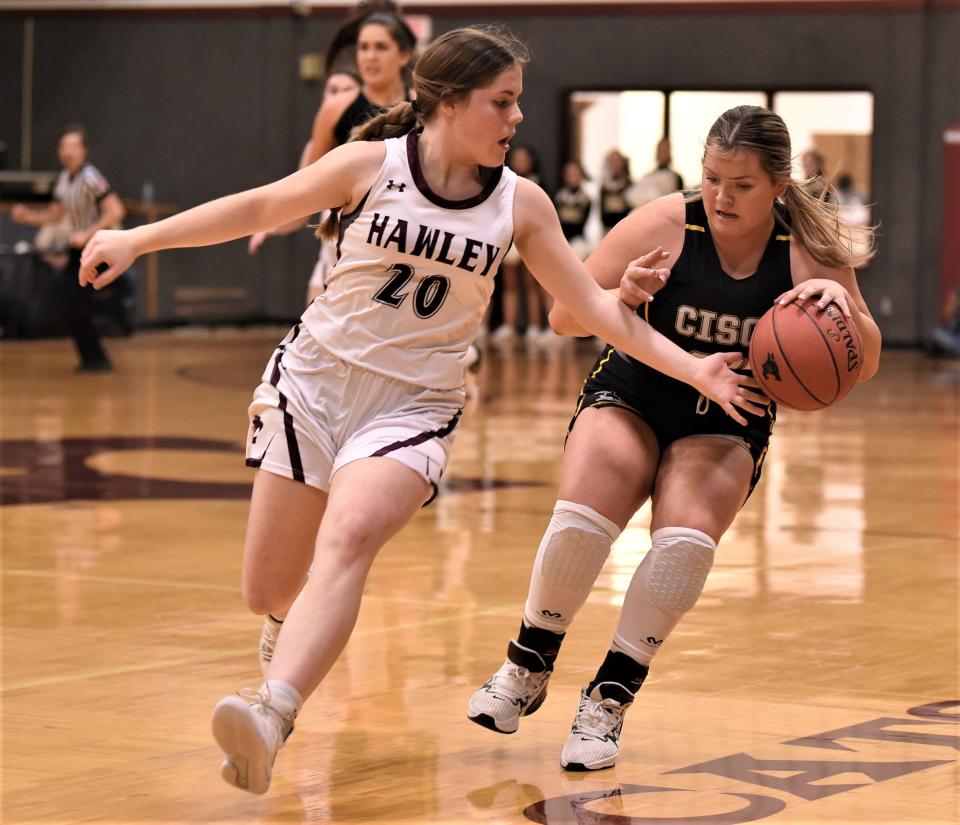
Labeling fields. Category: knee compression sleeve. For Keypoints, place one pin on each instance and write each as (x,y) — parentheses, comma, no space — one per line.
(666,585)
(572,551)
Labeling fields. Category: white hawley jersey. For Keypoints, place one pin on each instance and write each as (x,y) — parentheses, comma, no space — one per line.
(414,273)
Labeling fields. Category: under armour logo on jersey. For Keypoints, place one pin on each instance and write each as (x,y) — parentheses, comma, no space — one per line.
(550,615)
(652,640)
(401,186)
(770,368)
(256,426)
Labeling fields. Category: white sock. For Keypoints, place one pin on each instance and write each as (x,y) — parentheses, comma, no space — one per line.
(284,697)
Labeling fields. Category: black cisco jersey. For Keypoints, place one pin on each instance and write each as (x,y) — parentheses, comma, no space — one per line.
(703,310)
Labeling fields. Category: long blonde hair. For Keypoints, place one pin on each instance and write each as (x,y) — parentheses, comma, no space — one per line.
(449,69)
(815,222)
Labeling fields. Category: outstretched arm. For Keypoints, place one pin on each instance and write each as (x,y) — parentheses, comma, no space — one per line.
(51,213)
(333,181)
(633,260)
(554,264)
(258,238)
(322,140)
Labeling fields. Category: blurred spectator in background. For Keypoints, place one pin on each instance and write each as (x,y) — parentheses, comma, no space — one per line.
(52,243)
(660,181)
(616,180)
(815,178)
(83,204)
(524,161)
(853,206)
(340,82)
(946,337)
(573,207)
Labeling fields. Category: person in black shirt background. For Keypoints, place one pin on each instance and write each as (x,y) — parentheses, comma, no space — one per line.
(573,206)
(614,206)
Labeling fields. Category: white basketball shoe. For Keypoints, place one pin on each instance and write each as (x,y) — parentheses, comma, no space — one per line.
(517,689)
(250,731)
(594,740)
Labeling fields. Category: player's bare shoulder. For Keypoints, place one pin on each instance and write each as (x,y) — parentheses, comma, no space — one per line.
(663,215)
(530,195)
(333,106)
(360,159)
(354,166)
(532,207)
(658,223)
(328,115)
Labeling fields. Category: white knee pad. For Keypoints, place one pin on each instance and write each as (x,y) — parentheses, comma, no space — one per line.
(682,559)
(572,552)
(667,584)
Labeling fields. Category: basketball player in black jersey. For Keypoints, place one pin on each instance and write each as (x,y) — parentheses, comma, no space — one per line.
(385,46)
(751,237)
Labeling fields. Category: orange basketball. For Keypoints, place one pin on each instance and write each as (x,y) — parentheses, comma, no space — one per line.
(803,357)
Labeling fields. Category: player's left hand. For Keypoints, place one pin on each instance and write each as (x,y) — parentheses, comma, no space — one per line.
(643,278)
(107,256)
(256,241)
(716,379)
(830,292)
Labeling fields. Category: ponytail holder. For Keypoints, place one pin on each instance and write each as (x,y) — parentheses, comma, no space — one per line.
(415,105)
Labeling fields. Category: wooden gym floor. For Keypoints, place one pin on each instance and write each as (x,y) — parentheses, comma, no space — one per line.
(815,682)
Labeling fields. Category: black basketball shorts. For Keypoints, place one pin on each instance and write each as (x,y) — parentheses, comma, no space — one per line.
(672,409)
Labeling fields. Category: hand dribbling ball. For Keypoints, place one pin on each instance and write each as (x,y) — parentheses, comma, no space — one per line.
(805,358)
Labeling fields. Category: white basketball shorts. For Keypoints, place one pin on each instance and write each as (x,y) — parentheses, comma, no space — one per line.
(314,413)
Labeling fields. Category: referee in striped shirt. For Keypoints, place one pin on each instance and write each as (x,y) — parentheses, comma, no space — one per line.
(83,195)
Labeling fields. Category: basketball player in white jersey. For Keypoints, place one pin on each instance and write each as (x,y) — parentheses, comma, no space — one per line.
(426,213)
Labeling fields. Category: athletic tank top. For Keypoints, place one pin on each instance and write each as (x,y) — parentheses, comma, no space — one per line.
(360,111)
(613,202)
(701,308)
(573,209)
(414,272)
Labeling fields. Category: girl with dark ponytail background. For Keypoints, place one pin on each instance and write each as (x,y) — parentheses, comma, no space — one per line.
(368,69)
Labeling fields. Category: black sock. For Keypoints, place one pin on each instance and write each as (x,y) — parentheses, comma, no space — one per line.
(545,642)
(620,668)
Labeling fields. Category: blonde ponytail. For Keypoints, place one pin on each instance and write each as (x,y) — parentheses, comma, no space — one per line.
(818,227)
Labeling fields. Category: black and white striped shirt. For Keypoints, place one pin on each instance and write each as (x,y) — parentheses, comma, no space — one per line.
(80,195)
